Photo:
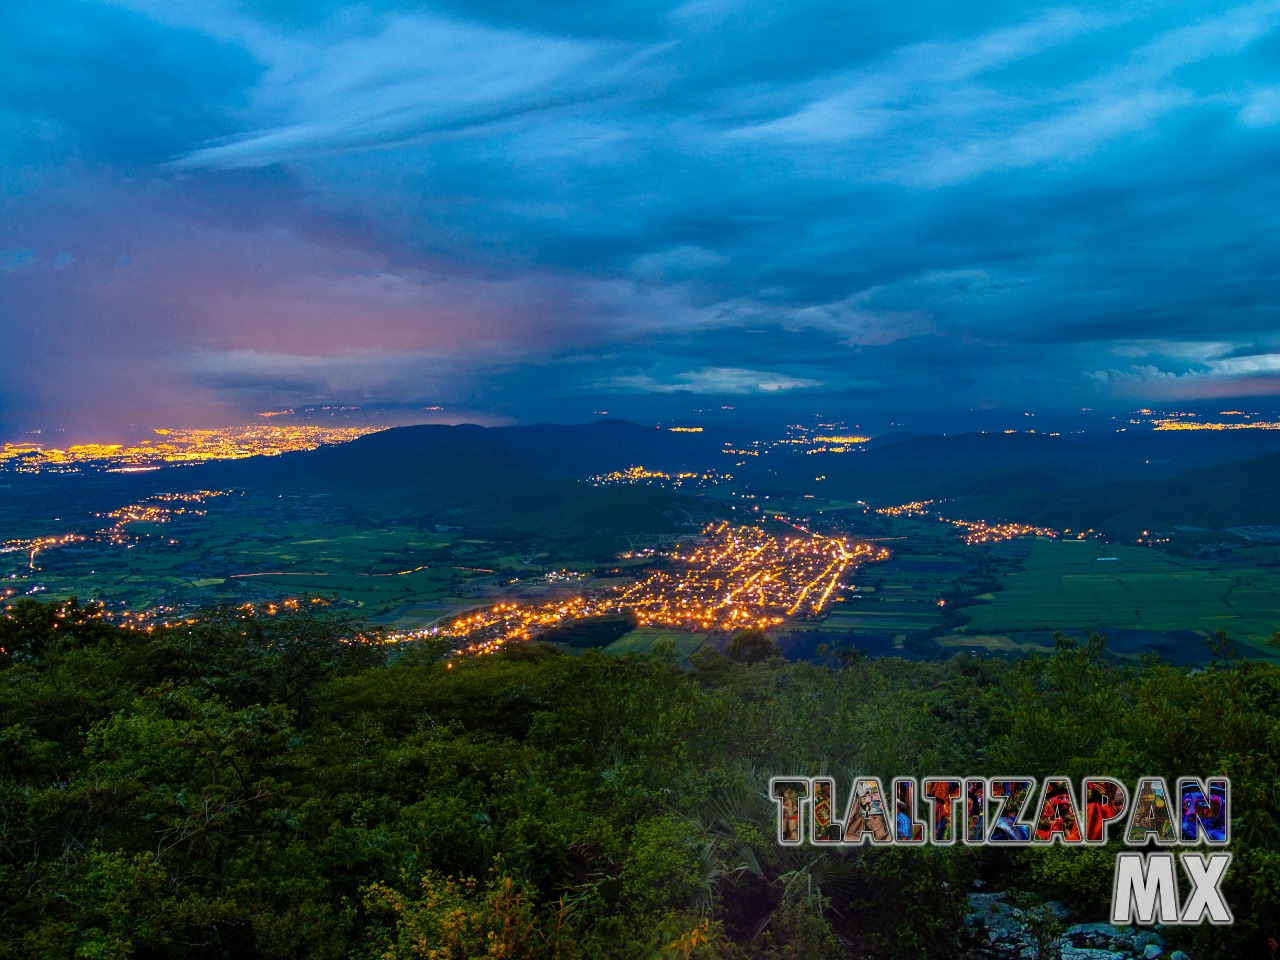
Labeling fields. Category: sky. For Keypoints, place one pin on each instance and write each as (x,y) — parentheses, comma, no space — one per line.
(527,209)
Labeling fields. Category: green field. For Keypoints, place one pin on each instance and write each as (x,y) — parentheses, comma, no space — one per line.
(644,640)
(1088,585)
(251,549)
(254,548)
(894,602)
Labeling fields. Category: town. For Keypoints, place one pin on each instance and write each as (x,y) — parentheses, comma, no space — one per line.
(732,577)
(174,447)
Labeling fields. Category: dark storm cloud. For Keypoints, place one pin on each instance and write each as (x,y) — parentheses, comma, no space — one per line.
(205,207)
(90,80)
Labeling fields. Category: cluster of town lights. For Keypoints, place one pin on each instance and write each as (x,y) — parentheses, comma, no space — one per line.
(152,510)
(175,447)
(633,476)
(975,531)
(731,578)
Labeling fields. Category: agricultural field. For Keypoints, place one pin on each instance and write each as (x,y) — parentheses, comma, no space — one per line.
(891,603)
(252,547)
(1142,598)
(644,640)
(247,548)
(892,608)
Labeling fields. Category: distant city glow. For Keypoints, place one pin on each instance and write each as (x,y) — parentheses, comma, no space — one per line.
(1213,425)
(176,447)
(975,531)
(633,476)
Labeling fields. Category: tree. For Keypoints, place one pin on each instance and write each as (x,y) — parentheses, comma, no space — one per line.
(750,646)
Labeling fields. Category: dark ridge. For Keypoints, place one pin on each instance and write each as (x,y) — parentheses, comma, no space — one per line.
(1016,465)
(1217,497)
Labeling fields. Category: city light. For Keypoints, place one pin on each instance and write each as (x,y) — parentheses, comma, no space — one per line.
(633,476)
(175,447)
(975,531)
(731,578)
(158,509)
(1166,424)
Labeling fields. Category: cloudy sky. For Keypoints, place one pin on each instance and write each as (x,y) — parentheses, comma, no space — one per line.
(519,208)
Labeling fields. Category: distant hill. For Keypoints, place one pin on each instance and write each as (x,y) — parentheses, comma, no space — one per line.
(580,450)
(521,479)
(997,464)
(471,477)
(564,450)
(1217,497)
(513,481)
(407,471)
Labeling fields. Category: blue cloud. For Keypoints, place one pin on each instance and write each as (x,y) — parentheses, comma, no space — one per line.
(1010,203)
(110,85)
(23,258)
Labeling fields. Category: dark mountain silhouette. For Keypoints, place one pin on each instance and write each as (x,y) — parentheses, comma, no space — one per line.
(510,479)
(997,464)
(1218,497)
(529,478)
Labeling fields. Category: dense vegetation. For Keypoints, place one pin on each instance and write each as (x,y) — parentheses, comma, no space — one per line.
(255,786)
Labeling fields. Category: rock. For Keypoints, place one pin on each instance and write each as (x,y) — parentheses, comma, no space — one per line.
(1096,934)
(1001,931)
(980,900)
(1178,955)
(1088,953)
(1006,927)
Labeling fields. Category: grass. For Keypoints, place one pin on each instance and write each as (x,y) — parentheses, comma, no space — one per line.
(992,643)
(259,548)
(897,598)
(643,640)
(1074,585)
(250,549)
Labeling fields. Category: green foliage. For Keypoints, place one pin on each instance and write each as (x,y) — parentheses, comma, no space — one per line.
(118,905)
(750,646)
(245,657)
(32,629)
(1080,875)
(1045,928)
(261,787)
(194,772)
(451,919)
(799,928)
(591,631)
(661,868)
(913,899)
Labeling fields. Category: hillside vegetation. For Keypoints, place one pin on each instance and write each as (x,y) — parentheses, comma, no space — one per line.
(254,786)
